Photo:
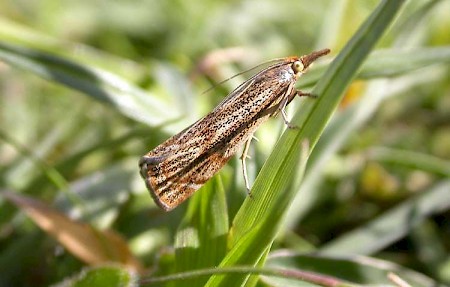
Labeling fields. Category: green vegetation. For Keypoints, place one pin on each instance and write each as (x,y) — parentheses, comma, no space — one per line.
(360,195)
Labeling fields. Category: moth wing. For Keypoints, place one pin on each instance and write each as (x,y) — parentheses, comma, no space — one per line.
(172,179)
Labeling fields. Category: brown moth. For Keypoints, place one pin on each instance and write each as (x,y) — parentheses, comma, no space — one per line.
(175,169)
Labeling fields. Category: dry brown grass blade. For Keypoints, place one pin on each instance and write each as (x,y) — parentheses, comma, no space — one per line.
(85,242)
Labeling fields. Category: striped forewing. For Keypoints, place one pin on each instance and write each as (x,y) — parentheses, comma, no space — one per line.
(182,164)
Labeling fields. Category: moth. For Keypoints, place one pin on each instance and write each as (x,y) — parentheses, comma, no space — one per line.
(178,167)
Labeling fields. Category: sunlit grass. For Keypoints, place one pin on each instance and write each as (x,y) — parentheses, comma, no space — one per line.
(87,88)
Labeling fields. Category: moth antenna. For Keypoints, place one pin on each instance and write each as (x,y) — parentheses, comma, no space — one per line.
(214,86)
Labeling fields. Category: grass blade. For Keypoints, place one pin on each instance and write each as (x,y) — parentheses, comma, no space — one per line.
(411,159)
(389,63)
(99,84)
(260,216)
(391,225)
(355,269)
(201,239)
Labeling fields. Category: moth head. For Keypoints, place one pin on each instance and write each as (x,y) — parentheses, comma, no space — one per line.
(300,65)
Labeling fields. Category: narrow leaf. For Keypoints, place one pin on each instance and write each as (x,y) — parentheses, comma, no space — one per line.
(355,269)
(201,239)
(99,84)
(82,240)
(271,192)
(393,224)
(111,276)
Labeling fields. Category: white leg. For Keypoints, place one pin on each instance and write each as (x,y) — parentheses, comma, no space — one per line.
(244,166)
(283,105)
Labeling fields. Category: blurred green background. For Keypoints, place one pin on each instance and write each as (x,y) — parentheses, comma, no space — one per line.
(73,147)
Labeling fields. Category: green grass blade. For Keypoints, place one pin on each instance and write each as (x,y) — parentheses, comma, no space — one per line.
(394,62)
(381,63)
(350,120)
(389,63)
(353,269)
(259,218)
(393,224)
(201,239)
(330,89)
(19,34)
(98,84)
(113,275)
(337,133)
(51,174)
(101,194)
(411,159)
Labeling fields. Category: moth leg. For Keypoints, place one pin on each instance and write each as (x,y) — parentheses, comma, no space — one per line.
(302,94)
(244,156)
(287,100)
(282,109)
(148,161)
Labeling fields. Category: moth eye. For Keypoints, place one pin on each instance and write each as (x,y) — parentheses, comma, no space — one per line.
(298,67)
